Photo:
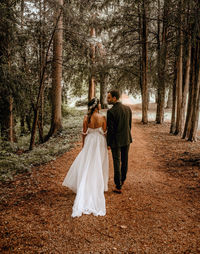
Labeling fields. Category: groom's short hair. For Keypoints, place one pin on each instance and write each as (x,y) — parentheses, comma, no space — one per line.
(115,93)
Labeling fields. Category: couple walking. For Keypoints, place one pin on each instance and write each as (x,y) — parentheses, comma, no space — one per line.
(88,175)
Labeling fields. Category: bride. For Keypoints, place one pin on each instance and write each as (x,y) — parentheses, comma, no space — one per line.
(88,175)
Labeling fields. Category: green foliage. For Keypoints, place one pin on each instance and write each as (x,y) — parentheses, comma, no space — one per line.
(15,158)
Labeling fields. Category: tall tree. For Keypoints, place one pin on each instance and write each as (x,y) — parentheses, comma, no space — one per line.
(162,60)
(174,104)
(103,83)
(42,45)
(56,98)
(179,118)
(144,63)
(91,90)
(169,98)
(186,61)
(195,114)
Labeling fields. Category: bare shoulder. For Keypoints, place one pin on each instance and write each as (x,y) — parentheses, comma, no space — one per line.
(102,117)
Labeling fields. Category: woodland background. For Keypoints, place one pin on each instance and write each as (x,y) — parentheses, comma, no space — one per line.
(57,55)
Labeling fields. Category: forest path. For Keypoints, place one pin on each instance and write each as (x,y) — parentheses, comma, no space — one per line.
(154,214)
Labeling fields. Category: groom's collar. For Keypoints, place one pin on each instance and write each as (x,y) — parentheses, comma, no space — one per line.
(116,103)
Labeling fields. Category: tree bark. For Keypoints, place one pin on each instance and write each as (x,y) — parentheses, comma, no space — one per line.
(179,118)
(139,46)
(162,63)
(159,111)
(28,120)
(41,66)
(91,90)
(195,118)
(144,66)
(173,116)
(169,99)
(11,117)
(196,99)
(186,83)
(22,125)
(103,78)
(187,126)
(11,123)
(56,98)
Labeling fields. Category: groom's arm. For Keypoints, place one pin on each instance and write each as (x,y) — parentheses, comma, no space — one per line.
(130,119)
(110,127)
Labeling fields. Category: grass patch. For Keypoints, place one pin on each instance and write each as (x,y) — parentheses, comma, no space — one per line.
(15,157)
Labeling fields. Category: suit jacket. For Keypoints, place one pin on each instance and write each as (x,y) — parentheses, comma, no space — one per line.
(119,120)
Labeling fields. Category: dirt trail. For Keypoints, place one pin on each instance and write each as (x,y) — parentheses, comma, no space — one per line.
(152,215)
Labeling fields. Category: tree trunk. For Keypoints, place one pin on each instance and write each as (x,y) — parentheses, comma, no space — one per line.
(144,66)
(188,120)
(28,121)
(103,78)
(34,128)
(11,120)
(162,63)
(22,125)
(196,99)
(41,66)
(169,99)
(195,118)
(173,116)
(91,90)
(179,118)
(159,111)
(11,123)
(156,97)
(139,46)
(148,99)
(186,83)
(56,97)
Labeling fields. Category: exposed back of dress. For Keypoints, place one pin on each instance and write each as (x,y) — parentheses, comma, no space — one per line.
(97,121)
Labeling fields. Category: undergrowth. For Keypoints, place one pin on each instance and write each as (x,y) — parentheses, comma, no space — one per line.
(15,158)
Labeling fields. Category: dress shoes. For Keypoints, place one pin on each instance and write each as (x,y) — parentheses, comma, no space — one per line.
(118,191)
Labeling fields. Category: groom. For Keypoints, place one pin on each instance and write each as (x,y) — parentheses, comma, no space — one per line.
(119,119)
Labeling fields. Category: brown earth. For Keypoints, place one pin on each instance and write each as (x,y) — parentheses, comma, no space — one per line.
(158,211)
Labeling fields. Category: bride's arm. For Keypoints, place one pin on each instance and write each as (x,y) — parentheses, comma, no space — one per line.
(104,126)
(105,129)
(85,127)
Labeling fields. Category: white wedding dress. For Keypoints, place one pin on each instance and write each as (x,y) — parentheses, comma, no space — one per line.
(88,175)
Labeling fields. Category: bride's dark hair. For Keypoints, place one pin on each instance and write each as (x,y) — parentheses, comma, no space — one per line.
(92,105)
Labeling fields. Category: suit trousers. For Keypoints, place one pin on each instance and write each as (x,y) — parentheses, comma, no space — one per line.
(120,161)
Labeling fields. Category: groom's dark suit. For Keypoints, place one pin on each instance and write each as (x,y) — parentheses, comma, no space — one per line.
(119,119)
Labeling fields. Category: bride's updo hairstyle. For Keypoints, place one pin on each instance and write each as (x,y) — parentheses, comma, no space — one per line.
(92,105)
